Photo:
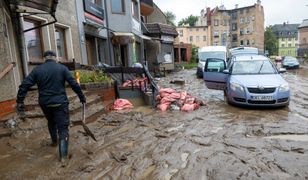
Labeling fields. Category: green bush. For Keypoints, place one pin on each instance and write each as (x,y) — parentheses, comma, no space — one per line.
(93,76)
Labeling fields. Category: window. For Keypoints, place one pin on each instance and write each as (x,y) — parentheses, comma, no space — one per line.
(204,38)
(97,2)
(197,29)
(181,33)
(33,40)
(234,26)
(290,39)
(190,29)
(289,52)
(216,34)
(241,11)
(234,37)
(204,29)
(247,10)
(117,6)
(248,43)
(282,39)
(241,31)
(248,20)
(242,42)
(61,44)
(216,22)
(248,30)
(234,15)
(135,9)
(289,45)
(242,20)
(304,40)
(282,45)
(197,38)
(225,22)
(191,39)
(253,18)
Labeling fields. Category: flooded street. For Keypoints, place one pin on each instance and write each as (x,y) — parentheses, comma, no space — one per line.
(218,141)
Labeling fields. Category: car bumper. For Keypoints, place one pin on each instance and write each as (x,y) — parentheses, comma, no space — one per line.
(246,99)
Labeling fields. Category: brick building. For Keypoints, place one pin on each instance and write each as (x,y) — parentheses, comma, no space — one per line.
(303,38)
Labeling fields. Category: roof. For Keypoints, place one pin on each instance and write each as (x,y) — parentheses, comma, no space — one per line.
(285,30)
(158,28)
(304,24)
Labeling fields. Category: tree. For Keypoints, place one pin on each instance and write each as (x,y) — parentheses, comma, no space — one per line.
(170,17)
(270,41)
(190,20)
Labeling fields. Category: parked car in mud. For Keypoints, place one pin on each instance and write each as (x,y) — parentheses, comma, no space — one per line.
(207,52)
(250,80)
(290,62)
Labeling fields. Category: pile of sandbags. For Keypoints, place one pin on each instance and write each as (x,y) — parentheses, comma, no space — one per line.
(136,82)
(170,99)
(121,104)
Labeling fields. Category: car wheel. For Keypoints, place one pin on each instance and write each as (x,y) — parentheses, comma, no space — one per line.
(226,99)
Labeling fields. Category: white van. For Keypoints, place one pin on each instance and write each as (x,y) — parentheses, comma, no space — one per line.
(208,52)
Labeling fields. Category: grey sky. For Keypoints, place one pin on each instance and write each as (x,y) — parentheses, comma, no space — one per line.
(275,11)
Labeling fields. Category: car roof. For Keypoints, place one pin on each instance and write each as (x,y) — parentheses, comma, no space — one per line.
(213,48)
(243,50)
(246,57)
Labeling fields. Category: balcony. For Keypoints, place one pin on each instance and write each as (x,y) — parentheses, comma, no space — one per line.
(147,7)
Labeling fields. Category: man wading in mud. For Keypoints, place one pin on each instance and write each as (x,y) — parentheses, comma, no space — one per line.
(50,78)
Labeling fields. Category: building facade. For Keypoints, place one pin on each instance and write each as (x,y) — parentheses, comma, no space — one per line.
(287,35)
(303,38)
(196,35)
(235,27)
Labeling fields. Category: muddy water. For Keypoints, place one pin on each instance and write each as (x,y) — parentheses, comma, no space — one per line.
(215,142)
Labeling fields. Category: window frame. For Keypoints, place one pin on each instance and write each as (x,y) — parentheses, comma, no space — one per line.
(135,5)
(63,30)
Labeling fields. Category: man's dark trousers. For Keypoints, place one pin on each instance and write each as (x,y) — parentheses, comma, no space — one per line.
(58,121)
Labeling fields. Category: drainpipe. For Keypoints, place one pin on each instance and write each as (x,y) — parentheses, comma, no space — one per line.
(108,33)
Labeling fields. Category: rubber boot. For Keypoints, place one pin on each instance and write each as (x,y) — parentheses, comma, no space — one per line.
(63,152)
(54,141)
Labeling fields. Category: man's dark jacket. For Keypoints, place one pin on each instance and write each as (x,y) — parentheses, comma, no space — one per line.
(50,78)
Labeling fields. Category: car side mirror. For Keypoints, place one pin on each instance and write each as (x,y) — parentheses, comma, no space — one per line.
(282,70)
(226,71)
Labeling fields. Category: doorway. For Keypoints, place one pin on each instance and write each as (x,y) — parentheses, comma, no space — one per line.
(90,48)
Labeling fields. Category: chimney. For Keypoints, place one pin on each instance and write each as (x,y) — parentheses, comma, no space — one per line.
(208,16)
(259,2)
(236,6)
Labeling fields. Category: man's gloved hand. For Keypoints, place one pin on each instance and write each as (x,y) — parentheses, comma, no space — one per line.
(20,107)
(83,100)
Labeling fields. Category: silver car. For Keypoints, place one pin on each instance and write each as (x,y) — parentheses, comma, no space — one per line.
(250,80)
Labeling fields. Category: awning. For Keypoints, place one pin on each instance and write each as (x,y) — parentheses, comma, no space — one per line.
(46,6)
(121,38)
(49,6)
(145,37)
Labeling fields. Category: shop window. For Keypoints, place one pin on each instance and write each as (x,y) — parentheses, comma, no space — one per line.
(61,43)
(117,6)
(33,40)
(135,9)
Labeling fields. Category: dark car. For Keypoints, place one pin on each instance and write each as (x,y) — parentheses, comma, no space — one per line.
(290,62)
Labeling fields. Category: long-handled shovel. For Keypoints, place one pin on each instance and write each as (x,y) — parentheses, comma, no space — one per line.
(85,127)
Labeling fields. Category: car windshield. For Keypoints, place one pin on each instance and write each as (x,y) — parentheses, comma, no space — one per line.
(203,56)
(253,67)
(290,59)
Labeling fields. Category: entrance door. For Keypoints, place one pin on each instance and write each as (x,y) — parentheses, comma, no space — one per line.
(90,50)
(213,75)
(123,55)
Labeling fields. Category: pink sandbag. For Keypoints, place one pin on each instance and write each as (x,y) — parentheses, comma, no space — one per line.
(189,107)
(164,94)
(183,95)
(167,99)
(190,100)
(166,90)
(175,95)
(163,107)
(121,104)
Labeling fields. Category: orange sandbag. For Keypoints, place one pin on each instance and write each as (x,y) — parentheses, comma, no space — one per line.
(121,104)
(163,107)
(189,107)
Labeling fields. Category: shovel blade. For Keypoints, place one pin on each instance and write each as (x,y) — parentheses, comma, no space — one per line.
(85,127)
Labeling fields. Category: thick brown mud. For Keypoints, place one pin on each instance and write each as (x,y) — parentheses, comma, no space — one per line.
(214,142)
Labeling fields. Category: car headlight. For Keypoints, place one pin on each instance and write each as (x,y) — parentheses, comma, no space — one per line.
(236,87)
(284,88)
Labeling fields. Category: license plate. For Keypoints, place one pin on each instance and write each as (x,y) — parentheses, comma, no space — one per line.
(262,98)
